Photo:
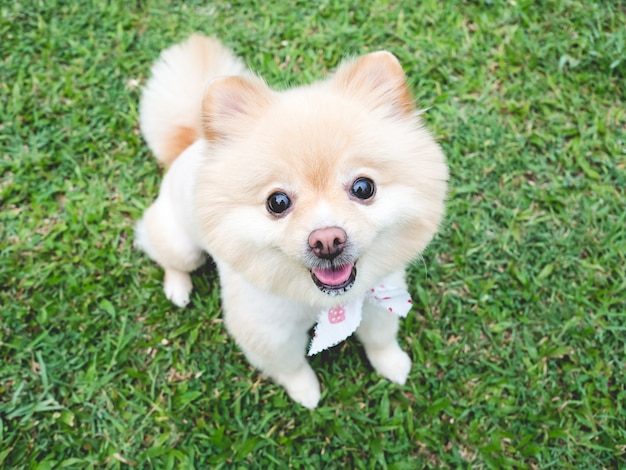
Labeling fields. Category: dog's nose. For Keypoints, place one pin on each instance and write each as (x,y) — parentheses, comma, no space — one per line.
(327,242)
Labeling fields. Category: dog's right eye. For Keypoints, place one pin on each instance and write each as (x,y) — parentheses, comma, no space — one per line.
(363,189)
(278,203)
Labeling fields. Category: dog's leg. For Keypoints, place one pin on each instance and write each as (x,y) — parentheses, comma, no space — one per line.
(272,332)
(377,332)
(285,363)
(160,235)
(177,286)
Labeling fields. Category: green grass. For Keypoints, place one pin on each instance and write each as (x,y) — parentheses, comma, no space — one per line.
(518,334)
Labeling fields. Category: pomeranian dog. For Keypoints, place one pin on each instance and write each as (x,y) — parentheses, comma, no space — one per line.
(311,201)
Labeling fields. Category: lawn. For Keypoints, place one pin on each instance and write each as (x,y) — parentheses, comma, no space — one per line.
(518,331)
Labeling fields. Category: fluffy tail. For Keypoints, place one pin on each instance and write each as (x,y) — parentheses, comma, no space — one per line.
(171,104)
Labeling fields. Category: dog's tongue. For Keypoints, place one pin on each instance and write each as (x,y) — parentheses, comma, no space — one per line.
(334,276)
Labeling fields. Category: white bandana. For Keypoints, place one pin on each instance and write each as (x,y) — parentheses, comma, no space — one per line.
(335,325)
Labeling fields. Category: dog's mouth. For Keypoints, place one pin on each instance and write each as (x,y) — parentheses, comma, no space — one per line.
(334,280)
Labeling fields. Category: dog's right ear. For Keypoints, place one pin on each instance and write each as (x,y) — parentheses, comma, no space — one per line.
(377,79)
(230,106)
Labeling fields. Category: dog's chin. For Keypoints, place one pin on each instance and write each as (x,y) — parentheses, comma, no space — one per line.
(335,280)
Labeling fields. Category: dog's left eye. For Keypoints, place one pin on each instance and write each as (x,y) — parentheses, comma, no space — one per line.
(278,203)
(363,188)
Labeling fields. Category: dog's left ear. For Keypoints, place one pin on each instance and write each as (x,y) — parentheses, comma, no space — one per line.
(377,79)
(230,106)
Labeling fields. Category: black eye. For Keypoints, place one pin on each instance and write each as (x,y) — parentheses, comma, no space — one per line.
(278,203)
(363,188)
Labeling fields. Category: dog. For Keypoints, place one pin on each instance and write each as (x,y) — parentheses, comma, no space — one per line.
(311,201)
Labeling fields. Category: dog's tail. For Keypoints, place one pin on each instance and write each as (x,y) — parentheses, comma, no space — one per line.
(171,104)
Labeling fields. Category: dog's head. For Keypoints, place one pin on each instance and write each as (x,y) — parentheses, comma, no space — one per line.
(318,192)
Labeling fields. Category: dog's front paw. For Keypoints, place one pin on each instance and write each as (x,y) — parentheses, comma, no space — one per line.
(303,387)
(392,363)
(177,286)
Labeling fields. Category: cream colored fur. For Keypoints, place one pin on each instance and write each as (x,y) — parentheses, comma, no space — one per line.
(310,142)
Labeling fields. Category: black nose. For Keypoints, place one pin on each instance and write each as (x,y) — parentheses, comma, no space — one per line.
(327,243)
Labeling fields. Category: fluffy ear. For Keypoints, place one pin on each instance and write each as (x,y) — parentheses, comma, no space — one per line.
(231,104)
(377,79)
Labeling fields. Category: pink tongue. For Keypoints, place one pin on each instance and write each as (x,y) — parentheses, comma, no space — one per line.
(334,276)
